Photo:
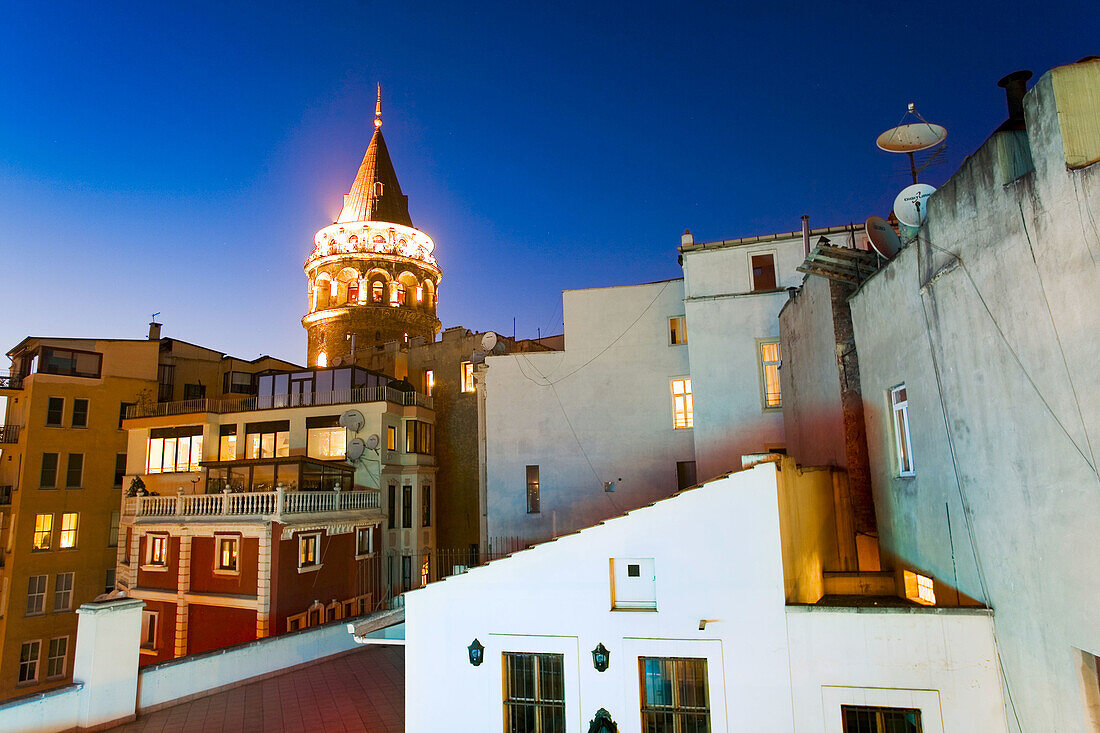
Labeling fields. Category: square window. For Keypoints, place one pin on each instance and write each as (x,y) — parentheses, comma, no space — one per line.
(227,548)
(468,377)
(533,498)
(68,531)
(919,588)
(55,657)
(307,550)
(675,694)
(903,448)
(364,541)
(36,595)
(63,592)
(770,394)
(534,692)
(55,409)
(683,412)
(633,571)
(43,532)
(862,719)
(677,330)
(48,478)
(80,413)
(28,661)
(74,472)
(763,271)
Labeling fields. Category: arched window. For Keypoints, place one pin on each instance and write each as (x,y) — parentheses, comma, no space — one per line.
(353,239)
(378,188)
(376,291)
(353,292)
(398,294)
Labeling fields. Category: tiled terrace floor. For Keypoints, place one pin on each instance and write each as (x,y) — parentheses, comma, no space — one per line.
(361,691)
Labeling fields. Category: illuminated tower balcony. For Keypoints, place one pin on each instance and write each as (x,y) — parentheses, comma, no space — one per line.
(369,238)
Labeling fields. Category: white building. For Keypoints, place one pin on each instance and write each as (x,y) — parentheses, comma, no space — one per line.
(700,621)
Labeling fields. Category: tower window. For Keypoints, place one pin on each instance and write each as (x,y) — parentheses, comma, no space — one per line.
(376,291)
(353,292)
(398,297)
(378,188)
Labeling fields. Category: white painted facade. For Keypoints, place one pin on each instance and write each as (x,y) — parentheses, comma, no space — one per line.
(770,667)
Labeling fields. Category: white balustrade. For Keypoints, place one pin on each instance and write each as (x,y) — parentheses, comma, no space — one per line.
(265,503)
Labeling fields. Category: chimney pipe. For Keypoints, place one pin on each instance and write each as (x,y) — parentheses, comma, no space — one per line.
(154,331)
(1015,86)
(806,233)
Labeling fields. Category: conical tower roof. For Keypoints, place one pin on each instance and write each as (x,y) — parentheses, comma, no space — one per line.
(376,195)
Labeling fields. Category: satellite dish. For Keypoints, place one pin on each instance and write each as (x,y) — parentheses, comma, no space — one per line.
(352,420)
(489,341)
(911,138)
(500,348)
(882,237)
(478,357)
(355,449)
(372,442)
(911,205)
(337,361)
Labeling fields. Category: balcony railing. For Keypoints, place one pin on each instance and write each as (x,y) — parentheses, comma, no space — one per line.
(9,433)
(276,503)
(10,381)
(221,405)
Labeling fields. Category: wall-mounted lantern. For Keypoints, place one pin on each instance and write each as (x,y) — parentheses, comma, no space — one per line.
(602,723)
(600,657)
(477,653)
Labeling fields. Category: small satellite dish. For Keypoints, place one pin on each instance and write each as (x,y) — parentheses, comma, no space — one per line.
(372,442)
(911,138)
(337,361)
(500,348)
(489,341)
(355,449)
(478,357)
(911,205)
(882,237)
(352,420)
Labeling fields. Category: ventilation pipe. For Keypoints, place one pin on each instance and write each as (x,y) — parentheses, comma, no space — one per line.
(1015,86)
(806,233)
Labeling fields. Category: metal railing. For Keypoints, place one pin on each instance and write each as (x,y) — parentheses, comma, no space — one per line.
(10,381)
(9,433)
(223,405)
(261,503)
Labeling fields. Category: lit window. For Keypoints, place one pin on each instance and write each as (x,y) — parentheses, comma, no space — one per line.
(376,289)
(919,589)
(426,570)
(55,657)
(43,532)
(80,413)
(683,415)
(307,550)
(326,442)
(763,272)
(175,450)
(859,719)
(267,440)
(157,550)
(63,592)
(74,472)
(677,330)
(149,625)
(418,437)
(353,292)
(334,285)
(674,693)
(534,692)
(28,661)
(68,530)
(899,403)
(419,293)
(322,359)
(532,489)
(468,377)
(227,443)
(36,595)
(227,554)
(55,408)
(364,541)
(769,374)
(429,382)
(391,437)
(398,294)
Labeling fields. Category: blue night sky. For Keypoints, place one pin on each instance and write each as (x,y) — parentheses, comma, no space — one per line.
(179,157)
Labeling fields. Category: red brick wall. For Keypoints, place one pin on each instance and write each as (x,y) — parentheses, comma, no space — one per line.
(205,580)
(165,579)
(212,627)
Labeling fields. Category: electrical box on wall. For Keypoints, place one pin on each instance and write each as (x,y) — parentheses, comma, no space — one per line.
(633,583)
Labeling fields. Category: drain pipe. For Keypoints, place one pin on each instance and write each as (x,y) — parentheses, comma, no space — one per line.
(806,233)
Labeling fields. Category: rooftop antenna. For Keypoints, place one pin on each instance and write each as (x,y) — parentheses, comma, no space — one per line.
(913,137)
(155,316)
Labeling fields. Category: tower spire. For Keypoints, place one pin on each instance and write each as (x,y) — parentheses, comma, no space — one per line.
(378,108)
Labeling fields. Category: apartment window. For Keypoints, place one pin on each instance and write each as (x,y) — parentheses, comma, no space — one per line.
(227,548)
(532,489)
(74,471)
(120,469)
(675,694)
(406,573)
(763,271)
(48,479)
(28,662)
(919,588)
(109,584)
(63,592)
(771,397)
(166,378)
(683,413)
(237,383)
(364,541)
(391,508)
(112,536)
(157,550)
(307,550)
(68,531)
(426,501)
(391,437)
(227,443)
(122,408)
(194,391)
(685,474)
(425,569)
(406,506)
(860,719)
(43,532)
(69,362)
(418,437)
(36,595)
(677,330)
(325,439)
(55,657)
(80,413)
(55,409)
(175,450)
(468,377)
(149,623)
(534,692)
(267,439)
(903,447)
(429,382)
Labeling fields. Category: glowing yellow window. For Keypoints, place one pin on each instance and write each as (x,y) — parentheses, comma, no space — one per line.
(683,414)
(920,589)
(429,382)
(468,377)
(68,530)
(769,374)
(43,531)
